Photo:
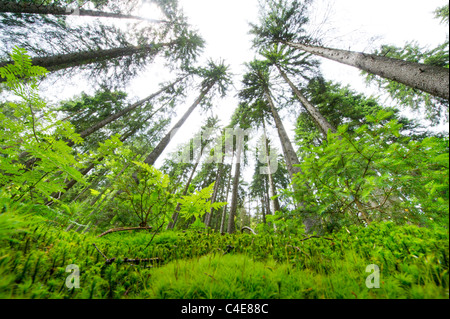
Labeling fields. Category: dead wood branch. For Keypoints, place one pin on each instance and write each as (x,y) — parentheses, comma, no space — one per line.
(123,229)
(249,229)
(136,261)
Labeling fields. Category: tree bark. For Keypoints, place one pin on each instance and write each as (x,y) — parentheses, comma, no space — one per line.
(428,78)
(154,155)
(272,191)
(321,122)
(105,122)
(31,8)
(290,157)
(62,61)
(214,195)
(224,212)
(263,209)
(186,188)
(125,111)
(85,171)
(234,198)
(288,150)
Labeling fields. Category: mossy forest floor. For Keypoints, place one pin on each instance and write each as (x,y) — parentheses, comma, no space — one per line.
(412,262)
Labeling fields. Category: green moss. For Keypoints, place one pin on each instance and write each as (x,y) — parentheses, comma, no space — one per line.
(413,263)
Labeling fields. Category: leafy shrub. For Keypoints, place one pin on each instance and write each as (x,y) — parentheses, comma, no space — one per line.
(375,174)
(148,195)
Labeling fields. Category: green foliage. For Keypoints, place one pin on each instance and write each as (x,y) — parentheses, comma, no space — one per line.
(281,20)
(198,203)
(85,111)
(147,194)
(341,105)
(10,223)
(33,148)
(215,77)
(22,68)
(375,174)
(442,13)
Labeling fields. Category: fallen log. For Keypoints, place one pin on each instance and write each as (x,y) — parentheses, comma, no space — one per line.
(137,261)
(123,229)
(249,229)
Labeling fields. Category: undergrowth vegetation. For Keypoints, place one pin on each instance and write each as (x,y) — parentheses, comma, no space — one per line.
(413,263)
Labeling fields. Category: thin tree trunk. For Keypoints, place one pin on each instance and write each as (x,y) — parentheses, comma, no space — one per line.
(186,188)
(31,8)
(234,198)
(110,119)
(214,195)
(288,149)
(94,183)
(427,78)
(222,194)
(263,210)
(104,190)
(62,61)
(272,192)
(125,111)
(224,212)
(154,155)
(85,171)
(321,122)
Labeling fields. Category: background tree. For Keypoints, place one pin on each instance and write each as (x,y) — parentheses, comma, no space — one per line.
(300,65)
(342,105)
(108,54)
(283,21)
(53,9)
(375,174)
(214,78)
(256,88)
(435,108)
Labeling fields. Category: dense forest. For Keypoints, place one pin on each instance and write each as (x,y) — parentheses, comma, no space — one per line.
(94,206)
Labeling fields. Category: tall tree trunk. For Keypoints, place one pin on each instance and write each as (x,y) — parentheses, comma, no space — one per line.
(108,120)
(288,150)
(263,210)
(214,195)
(224,211)
(186,188)
(85,171)
(127,110)
(234,197)
(270,210)
(291,159)
(31,8)
(321,122)
(427,78)
(151,159)
(62,61)
(272,191)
